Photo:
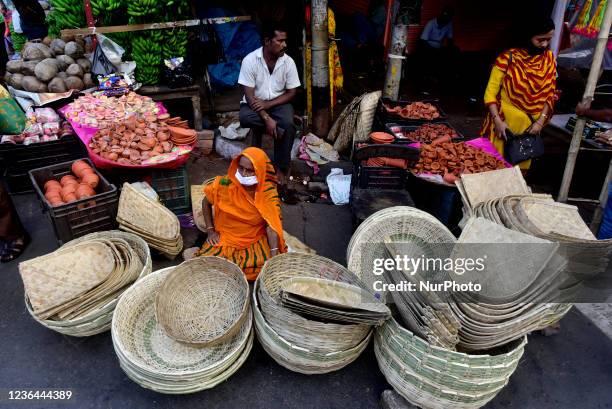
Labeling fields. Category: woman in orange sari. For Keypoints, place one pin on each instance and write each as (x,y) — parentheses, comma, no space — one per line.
(521,91)
(247,224)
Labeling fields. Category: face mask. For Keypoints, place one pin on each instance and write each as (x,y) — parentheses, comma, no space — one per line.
(246,180)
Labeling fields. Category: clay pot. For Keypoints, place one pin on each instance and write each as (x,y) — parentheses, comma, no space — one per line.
(66,178)
(69,198)
(78,167)
(449,178)
(91,179)
(84,190)
(49,184)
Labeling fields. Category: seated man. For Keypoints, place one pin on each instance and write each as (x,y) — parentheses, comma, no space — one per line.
(438,32)
(270,78)
(436,49)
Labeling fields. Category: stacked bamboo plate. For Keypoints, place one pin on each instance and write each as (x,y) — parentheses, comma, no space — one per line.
(152,221)
(436,378)
(298,343)
(74,290)
(154,360)
(333,301)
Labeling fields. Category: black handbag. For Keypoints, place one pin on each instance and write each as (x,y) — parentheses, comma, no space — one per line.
(519,148)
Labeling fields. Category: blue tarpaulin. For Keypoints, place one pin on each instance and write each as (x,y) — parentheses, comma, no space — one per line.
(237,40)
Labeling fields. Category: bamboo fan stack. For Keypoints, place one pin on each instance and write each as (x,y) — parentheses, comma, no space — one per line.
(406,231)
(298,342)
(75,289)
(522,283)
(185,329)
(152,221)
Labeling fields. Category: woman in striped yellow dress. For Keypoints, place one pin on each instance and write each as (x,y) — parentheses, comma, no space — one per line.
(521,91)
(247,224)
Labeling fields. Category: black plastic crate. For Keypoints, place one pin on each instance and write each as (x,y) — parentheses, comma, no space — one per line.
(172,186)
(18,160)
(393,117)
(398,130)
(384,177)
(84,216)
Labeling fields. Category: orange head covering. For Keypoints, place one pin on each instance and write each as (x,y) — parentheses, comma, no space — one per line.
(236,201)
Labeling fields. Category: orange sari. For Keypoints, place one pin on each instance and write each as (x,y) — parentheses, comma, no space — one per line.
(241,220)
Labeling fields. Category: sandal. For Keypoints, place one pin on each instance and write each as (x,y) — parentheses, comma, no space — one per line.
(14,249)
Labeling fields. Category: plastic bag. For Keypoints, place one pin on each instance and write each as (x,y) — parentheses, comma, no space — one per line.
(51,128)
(234,131)
(44,115)
(107,57)
(177,73)
(228,149)
(339,186)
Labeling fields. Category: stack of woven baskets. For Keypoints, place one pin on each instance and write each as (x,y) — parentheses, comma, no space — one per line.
(152,221)
(301,344)
(66,294)
(185,329)
(437,378)
(418,354)
(407,231)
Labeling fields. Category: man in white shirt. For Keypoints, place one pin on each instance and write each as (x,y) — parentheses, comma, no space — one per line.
(269,78)
(438,32)
(436,50)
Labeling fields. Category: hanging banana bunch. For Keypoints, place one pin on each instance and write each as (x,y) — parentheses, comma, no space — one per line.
(146,52)
(144,11)
(174,44)
(67,14)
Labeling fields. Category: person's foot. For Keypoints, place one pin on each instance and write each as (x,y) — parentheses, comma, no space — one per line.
(14,249)
(190,253)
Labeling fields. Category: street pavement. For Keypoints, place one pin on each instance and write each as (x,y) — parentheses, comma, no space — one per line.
(572,369)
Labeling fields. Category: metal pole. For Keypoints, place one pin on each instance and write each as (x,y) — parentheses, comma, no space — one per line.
(394,63)
(587,98)
(320,69)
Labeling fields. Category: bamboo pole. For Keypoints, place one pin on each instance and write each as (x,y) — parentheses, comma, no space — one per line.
(152,26)
(320,68)
(587,98)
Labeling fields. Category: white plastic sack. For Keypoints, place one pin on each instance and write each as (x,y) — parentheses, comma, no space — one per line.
(228,149)
(339,186)
(234,131)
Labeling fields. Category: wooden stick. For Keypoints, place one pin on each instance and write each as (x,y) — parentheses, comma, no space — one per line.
(600,48)
(152,26)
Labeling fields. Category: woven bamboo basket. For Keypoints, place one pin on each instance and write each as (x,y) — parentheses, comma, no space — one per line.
(297,358)
(300,331)
(98,320)
(203,301)
(431,377)
(402,223)
(182,387)
(158,361)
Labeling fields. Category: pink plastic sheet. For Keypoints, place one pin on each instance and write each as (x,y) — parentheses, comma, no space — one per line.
(171,160)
